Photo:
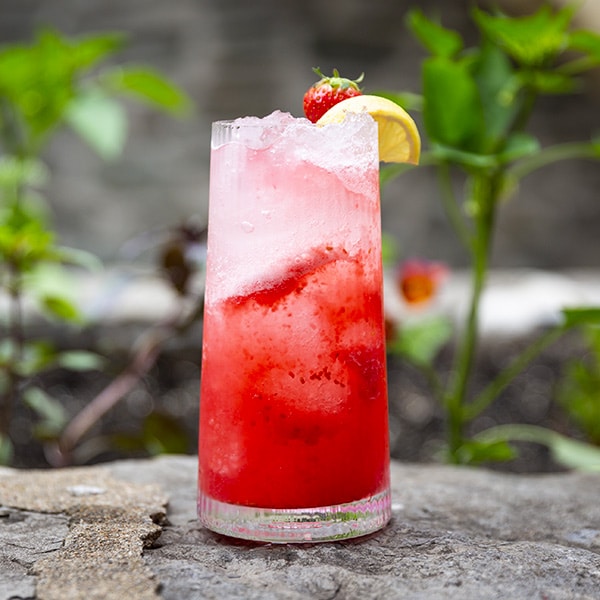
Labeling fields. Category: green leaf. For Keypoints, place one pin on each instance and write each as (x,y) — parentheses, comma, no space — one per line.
(452,110)
(579,391)
(161,433)
(38,81)
(36,356)
(518,146)
(100,121)
(568,452)
(54,291)
(549,82)
(574,454)
(8,351)
(497,85)
(87,51)
(164,434)
(584,315)
(57,306)
(16,172)
(531,40)
(148,86)
(474,452)
(587,42)
(50,411)
(80,360)
(437,39)
(421,341)
(24,241)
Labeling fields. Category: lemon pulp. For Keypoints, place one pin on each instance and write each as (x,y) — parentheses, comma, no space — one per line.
(399,140)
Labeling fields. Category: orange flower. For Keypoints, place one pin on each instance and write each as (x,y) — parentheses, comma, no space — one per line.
(418,280)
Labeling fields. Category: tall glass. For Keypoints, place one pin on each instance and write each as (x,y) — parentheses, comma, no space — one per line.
(293,437)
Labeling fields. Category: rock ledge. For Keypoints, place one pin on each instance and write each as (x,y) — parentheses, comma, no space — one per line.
(104,532)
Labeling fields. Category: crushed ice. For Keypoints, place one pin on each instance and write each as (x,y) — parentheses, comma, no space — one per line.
(350,144)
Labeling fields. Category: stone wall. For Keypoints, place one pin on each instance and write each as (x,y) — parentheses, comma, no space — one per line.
(235,57)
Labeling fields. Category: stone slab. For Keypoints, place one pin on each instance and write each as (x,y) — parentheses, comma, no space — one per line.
(26,537)
(76,534)
(456,533)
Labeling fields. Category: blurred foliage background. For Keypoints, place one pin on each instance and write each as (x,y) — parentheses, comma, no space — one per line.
(235,58)
(125,183)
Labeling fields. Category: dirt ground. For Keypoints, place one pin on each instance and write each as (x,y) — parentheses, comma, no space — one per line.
(161,412)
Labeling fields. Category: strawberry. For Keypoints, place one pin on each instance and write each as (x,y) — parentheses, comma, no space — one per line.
(326,92)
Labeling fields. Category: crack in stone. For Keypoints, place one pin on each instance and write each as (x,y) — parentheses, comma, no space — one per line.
(101,556)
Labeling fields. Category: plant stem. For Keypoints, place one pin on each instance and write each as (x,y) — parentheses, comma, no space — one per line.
(13,139)
(15,337)
(485,191)
(451,206)
(553,154)
(526,106)
(15,331)
(487,396)
(144,359)
(60,453)
(431,376)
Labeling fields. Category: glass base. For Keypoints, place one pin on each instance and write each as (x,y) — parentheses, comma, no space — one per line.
(296,525)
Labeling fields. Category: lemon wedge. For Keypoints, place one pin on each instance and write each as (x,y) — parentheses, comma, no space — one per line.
(399,140)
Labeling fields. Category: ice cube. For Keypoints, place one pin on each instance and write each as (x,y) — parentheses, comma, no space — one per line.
(254,132)
(348,145)
(348,149)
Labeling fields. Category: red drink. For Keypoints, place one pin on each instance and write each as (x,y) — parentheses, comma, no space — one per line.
(293,393)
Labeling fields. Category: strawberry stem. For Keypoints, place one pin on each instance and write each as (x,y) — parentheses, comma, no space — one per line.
(336,81)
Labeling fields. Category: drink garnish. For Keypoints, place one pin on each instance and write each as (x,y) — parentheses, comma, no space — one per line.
(399,140)
(327,92)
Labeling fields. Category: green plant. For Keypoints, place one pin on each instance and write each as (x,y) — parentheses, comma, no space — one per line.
(476,105)
(178,262)
(579,390)
(52,82)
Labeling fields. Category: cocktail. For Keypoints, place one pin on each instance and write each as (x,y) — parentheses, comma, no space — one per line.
(293,440)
